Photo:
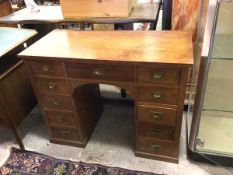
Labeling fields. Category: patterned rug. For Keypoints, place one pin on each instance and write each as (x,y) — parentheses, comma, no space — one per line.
(31,163)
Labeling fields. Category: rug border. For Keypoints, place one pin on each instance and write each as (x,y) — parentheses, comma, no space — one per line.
(12,149)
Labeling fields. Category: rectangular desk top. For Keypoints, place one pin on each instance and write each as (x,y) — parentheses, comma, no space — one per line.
(173,47)
(10,38)
(141,12)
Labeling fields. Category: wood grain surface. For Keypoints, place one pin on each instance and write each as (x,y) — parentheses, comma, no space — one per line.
(172,47)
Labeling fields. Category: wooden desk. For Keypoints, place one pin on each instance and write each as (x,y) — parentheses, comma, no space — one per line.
(67,66)
(16,94)
(142,12)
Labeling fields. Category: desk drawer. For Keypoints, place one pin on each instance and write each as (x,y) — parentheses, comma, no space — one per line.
(65,133)
(158,75)
(155,94)
(156,131)
(51,86)
(156,147)
(58,118)
(56,102)
(47,68)
(101,72)
(157,115)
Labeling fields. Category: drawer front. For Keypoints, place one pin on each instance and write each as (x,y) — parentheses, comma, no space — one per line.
(101,72)
(51,86)
(65,133)
(58,118)
(155,94)
(156,131)
(156,147)
(47,68)
(56,102)
(156,115)
(158,75)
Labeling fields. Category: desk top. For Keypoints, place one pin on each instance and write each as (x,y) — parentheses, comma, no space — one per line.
(141,12)
(123,46)
(10,38)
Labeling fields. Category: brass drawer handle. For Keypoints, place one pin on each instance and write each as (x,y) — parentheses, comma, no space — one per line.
(156,115)
(155,131)
(157,95)
(158,76)
(57,103)
(52,86)
(46,68)
(65,133)
(155,147)
(98,72)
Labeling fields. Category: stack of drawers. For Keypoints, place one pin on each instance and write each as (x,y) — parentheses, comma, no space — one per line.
(159,111)
(57,103)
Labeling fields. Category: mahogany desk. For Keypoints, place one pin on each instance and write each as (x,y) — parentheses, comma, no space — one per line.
(67,66)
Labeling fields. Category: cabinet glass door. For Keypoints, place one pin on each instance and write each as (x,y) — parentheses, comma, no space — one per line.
(216,124)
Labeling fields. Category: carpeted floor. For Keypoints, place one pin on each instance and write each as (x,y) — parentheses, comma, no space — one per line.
(31,163)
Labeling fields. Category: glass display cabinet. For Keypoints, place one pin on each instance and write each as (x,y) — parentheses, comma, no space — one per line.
(212,114)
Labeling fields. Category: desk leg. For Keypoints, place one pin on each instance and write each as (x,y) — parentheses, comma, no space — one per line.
(17,136)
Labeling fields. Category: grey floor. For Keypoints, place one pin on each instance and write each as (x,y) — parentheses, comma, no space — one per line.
(112,144)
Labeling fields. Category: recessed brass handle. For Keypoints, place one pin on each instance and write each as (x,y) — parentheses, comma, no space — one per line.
(155,147)
(52,86)
(65,133)
(47,68)
(157,95)
(156,115)
(98,72)
(57,103)
(158,76)
(155,131)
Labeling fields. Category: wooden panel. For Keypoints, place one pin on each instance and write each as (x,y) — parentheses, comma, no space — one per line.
(47,68)
(60,118)
(165,95)
(173,47)
(156,147)
(156,131)
(157,115)
(56,102)
(158,75)
(65,133)
(51,86)
(17,91)
(103,72)
(96,8)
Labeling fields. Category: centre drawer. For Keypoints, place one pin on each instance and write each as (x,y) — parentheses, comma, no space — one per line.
(101,72)
(157,94)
